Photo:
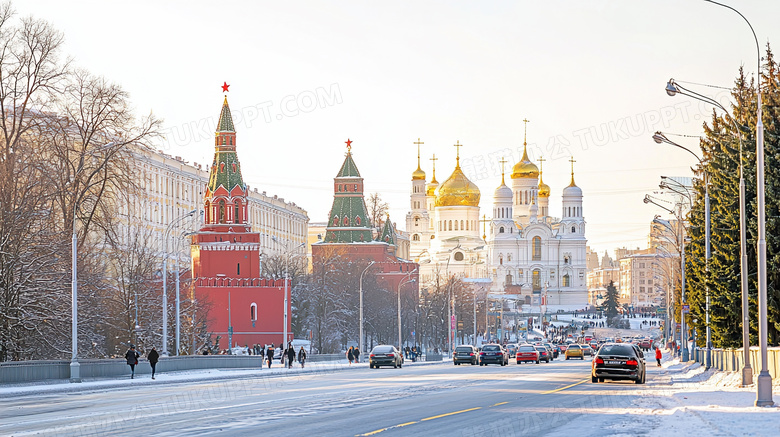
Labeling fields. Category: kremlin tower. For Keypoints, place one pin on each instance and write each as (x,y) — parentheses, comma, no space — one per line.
(245,309)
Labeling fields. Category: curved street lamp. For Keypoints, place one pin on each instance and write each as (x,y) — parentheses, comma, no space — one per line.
(660,138)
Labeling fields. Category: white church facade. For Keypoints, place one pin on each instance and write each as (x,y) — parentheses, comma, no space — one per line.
(525,252)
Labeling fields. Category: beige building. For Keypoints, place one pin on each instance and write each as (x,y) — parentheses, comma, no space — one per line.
(606,271)
(637,281)
(174,187)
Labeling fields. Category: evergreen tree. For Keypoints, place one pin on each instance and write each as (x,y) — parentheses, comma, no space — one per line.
(610,306)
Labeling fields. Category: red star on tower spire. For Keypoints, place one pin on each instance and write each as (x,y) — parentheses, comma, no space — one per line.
(349,145)
(225,87)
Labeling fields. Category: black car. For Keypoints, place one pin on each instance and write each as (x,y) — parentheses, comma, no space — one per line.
(544,353)
(493,353)
(553,348)
(618,361)
(465,354)
(385,355)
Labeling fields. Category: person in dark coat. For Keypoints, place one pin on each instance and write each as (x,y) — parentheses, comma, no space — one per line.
(290,356)
(350,355)
(153,357)
(302,356)
(270,355)
(356,353)
(132,359)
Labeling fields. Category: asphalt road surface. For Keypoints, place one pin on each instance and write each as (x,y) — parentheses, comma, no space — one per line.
(418,399)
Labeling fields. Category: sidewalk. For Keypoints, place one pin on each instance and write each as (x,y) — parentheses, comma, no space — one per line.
(61,386)
(684,399)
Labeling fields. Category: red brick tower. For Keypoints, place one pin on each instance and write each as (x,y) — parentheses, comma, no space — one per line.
(226,256)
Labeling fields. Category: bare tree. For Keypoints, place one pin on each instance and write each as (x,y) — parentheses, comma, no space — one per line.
(377,209)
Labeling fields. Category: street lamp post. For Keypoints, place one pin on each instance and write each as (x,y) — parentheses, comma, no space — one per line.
(764,386)
(361,305)
(75,367)
(400,283)
(659,138)
(166,237)
(286,281)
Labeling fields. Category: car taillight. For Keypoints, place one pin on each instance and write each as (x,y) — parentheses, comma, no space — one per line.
(500,353)
(390,355)
(471,354)
(632,363)
(599,361)
(482,353)
(371,356)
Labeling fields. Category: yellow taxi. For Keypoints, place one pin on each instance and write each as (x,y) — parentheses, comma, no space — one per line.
(574,351)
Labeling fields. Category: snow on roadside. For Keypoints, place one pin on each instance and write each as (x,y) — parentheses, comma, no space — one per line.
(687,399)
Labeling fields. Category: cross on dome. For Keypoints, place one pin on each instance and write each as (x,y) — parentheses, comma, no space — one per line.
(502,161)
(525,130)
(457,146)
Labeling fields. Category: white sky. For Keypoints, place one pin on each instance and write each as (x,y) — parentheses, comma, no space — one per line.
(443,71)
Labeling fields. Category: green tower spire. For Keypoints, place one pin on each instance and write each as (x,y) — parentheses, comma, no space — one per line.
(348,219)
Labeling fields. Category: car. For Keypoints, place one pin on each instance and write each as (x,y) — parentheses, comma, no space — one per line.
(587,350)
(465,353)
(594,345)
(553,350)
(574,351)
(618,361)
(527,353)
(544,353)
(511,349)
(645,343)
(563,347)
(493,353)
(385,355)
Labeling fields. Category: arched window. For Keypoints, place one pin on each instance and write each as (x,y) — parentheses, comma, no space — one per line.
(509,257)
(336,221)
(222,211)
(573,229)
(501,230)
(537,249)
(467,225)
(536,280)
(461,225)
(566,280)
(221,167)
(346,221)
(207,211)
(417,221)
(237,211)
(416,237)
(253,311)
(234,167)
(456,225)
(501,259)
(357,221)
(450,223)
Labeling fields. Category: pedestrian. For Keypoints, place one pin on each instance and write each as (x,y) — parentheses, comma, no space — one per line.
(302,356)
(290,356)
(153,356)
(407,352)
(658,356)
(270,355)
(350,355)
(132,359)
(356,353)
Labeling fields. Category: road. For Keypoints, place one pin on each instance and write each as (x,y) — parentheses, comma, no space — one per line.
(418,399)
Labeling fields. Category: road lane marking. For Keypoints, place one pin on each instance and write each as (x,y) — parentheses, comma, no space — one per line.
(500,403)
(372,432)
(563,388)
(450,414)
(405,424)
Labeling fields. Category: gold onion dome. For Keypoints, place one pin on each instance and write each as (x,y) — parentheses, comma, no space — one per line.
(418,175)
(525,168)
(430,189)
(458,190)
(544,189)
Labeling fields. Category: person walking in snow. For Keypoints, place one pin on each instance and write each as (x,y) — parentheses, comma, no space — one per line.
(302,357)
(270,355)
(350,355)
(153,357)
(356,354)
(658,356)
(290,352)
(132,359)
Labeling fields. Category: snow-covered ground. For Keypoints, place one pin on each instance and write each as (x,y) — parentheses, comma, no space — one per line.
(685,399)
(199,375)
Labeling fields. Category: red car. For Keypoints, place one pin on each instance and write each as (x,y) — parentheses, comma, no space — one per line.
(527,353)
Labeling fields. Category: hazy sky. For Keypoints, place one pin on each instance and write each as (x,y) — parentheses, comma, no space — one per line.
(305,76)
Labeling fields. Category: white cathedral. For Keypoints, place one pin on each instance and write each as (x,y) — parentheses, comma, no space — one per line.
(521,249)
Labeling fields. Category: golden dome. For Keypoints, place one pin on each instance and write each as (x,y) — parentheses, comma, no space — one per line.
(430,190)
(544,189)
(458,190)
(418,175)
(525,168)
